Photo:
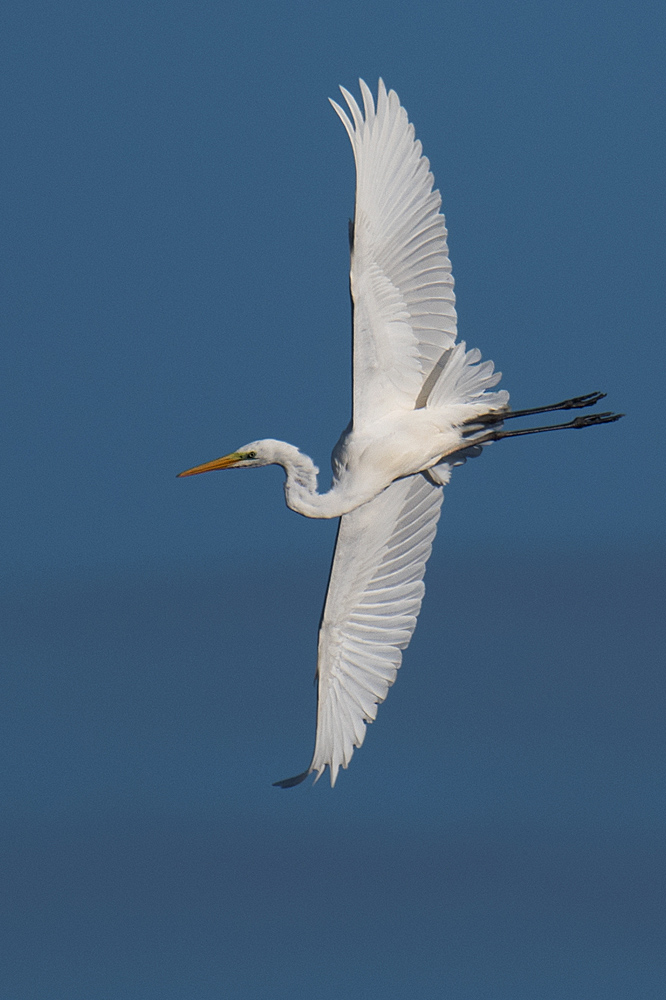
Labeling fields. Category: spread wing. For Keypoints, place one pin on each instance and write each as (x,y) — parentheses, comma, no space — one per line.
(401,282)
(374,598)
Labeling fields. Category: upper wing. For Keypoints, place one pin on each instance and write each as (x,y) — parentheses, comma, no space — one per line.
(374,597)
(401,282)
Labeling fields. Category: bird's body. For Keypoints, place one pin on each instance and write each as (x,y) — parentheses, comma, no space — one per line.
(368,458)
(421,404)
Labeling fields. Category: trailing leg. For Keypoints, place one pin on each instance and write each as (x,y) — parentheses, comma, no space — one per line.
(576,403)
(591,420)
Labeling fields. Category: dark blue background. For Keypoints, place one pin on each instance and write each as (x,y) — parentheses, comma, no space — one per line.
(175,263)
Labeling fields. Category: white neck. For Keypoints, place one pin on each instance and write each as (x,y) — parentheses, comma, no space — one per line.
(300,488)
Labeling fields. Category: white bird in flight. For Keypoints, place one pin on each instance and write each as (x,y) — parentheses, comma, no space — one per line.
(422,404)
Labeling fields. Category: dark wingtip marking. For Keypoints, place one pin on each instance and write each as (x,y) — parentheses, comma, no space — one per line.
(351,234)
(291,782)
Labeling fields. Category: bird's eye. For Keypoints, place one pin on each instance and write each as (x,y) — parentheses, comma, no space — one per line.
(250,454)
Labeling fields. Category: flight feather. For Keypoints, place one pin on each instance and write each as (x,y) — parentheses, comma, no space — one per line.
(401,282)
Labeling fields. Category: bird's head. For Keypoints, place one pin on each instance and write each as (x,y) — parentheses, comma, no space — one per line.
(250,456)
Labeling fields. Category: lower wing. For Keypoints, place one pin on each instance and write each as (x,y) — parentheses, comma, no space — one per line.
(374,598)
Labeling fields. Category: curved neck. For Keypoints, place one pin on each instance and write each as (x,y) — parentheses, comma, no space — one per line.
(300,488)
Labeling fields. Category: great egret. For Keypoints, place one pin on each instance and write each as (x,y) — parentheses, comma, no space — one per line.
(421,405)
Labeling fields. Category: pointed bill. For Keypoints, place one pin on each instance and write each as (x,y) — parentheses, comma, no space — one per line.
(226,462)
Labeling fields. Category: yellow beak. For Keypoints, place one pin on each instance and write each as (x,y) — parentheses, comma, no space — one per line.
(226,462)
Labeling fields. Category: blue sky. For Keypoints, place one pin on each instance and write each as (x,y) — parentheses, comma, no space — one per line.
(174,259)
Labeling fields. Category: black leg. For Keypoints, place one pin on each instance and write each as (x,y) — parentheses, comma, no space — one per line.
(589,421)
(576,403)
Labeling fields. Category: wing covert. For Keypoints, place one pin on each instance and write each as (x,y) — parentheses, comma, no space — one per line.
(401,282)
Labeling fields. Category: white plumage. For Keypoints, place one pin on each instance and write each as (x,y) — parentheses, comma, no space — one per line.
(421,404)
(404,312)
(373,601)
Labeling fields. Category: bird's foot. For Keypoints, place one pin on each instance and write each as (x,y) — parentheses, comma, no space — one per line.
(594,418)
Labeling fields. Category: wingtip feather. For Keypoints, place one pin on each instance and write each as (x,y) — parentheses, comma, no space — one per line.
(354,108)
(344,118)
(368,100)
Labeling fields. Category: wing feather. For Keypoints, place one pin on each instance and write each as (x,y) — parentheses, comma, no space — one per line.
(402,287)
(374,598)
